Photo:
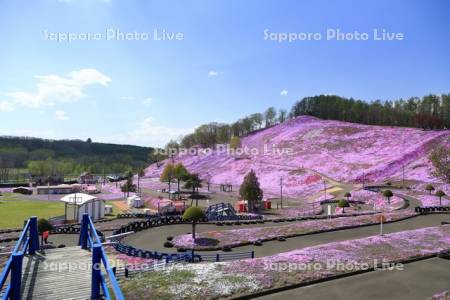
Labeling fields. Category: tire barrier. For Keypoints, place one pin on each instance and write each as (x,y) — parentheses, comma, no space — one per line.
(148,254)
(71,229)
(168,257)
(431,209)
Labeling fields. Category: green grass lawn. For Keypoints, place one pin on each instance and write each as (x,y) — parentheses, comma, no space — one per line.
(14,209)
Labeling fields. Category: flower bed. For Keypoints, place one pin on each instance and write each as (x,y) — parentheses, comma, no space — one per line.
(238,237)
(432,200)
(293,212)
(303,266)
(377,201)
(441,296)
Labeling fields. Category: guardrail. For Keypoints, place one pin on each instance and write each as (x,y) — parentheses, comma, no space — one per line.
(227,256)
(89,239)
(28,240)
(431,209)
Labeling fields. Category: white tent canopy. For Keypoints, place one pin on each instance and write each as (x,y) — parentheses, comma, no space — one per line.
(78,198)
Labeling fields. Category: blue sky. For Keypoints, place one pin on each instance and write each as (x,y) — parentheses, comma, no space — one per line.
(147,91)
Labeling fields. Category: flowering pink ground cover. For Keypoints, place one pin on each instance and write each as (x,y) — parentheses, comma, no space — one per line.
(432,200)
(293,212)
(341,150)
(242,236)
(420,187)
(242,277)
(377,201)
(440,296)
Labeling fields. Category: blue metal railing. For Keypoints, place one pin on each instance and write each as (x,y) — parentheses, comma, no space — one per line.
(29,240)
(89,239)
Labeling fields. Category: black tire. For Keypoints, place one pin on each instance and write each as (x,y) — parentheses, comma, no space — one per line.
(168,244)
(257,243)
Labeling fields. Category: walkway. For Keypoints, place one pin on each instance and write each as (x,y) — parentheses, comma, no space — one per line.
(63,273)
(419,280)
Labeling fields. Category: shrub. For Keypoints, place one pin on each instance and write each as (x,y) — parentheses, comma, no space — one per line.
(347,195)
(44,225)
(440,194)
(388,194)
(343,204)
(193,214)
(429,188)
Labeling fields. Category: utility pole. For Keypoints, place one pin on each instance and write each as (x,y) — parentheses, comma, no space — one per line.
(281,191)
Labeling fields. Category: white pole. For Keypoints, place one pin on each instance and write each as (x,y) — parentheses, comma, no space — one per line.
(381,225)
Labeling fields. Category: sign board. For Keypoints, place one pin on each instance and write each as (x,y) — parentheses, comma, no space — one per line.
(381,218)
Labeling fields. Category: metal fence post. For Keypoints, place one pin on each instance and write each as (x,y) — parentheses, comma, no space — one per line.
(253,254)
(217,257)
(96,271)
(34,236)
(16,275)
(83,241)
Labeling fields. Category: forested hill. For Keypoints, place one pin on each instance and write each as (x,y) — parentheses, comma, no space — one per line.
(70,155)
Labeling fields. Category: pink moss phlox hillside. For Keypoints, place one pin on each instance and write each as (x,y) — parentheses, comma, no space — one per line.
(343,151)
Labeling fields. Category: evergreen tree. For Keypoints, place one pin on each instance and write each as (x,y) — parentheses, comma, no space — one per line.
(129,186)
(251,191)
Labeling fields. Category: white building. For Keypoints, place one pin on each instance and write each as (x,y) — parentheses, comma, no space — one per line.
(135,201)
(77,204)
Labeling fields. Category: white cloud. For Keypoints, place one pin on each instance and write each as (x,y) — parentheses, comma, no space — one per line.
(147,133)
(213,73)
(6,106)
(284,92)
(54,89)
(147,101)
(61,115)
(126,98)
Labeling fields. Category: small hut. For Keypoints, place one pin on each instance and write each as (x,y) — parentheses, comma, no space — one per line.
(135,201)
(76,204)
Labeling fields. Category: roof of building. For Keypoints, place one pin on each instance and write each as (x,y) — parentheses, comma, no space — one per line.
(23,188)
(78,198)
(61,186)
